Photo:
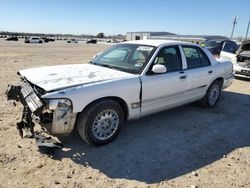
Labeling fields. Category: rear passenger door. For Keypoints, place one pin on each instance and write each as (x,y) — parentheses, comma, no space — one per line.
(198,72)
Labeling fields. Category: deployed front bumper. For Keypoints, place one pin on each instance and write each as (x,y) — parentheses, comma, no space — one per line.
(59,121)
(241,71)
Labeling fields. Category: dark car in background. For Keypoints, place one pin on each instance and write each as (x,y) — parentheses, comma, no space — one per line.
(12,38)
(48,39)
(215,46)
(92,41)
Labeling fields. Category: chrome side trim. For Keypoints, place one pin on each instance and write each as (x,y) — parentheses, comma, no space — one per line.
(168,96)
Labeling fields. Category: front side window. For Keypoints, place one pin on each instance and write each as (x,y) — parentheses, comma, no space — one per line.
(169,57)
(129,58)
(195,57)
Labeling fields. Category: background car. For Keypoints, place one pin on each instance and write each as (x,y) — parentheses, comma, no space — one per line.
(12,38)
(240,59)
(215,46)
(72,41)
(48,39)
(92,41)
(34,40)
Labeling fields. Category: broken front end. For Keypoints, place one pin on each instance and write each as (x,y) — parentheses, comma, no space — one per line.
(242,67)
(55,115)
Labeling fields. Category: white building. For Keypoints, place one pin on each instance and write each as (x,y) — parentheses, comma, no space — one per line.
(145,35)
(198,39)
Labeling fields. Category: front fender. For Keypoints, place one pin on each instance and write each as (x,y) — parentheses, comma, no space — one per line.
(126,89)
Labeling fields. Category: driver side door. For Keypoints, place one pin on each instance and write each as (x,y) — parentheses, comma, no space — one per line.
(166,90)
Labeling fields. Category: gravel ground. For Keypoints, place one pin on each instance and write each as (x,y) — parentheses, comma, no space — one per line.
(184,147)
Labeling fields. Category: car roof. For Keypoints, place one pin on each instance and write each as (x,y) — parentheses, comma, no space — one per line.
(157,43)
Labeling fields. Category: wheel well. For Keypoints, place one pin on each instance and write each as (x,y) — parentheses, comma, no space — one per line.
(120,101)
(220,80)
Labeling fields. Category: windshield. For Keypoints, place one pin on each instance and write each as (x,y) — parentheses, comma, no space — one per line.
(212,43)
(125,57)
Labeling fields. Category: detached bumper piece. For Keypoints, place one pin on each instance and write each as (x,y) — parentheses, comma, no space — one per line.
(25,94)
(47,145)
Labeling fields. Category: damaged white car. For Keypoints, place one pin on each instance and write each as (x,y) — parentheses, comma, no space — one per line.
(240,59)
(126,82)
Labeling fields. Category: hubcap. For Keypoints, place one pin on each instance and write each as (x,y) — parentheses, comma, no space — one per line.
(105,124)
(214,94)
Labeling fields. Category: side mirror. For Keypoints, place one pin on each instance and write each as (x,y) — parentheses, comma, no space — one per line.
(159,69)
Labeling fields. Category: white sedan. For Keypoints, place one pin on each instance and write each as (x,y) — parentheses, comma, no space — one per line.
(34,40)
(126,82)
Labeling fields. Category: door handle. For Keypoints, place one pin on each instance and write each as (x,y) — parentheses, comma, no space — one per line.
(210,72)
(183,77)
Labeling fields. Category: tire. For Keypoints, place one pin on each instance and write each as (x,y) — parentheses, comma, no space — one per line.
(101,122)
(212,95)
(40,41)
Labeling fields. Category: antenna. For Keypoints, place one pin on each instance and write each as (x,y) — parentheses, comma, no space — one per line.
(247,29)
(234,23)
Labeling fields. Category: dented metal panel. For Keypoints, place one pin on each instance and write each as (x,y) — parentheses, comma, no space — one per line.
(52,78)
(63,121)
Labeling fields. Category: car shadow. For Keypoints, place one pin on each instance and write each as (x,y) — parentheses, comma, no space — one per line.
(242,79)
(169,144)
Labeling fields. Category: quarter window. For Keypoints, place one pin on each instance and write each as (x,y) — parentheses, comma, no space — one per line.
(170,57)
(195,57)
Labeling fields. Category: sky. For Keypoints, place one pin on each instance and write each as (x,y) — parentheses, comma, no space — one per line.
(197,17)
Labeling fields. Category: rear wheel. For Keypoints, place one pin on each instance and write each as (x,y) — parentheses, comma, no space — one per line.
(100,123)
(212,96)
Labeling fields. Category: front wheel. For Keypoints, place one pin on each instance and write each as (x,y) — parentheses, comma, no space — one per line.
(212,96)
(100,123)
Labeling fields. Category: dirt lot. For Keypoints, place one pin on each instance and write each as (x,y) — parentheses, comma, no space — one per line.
(184,147)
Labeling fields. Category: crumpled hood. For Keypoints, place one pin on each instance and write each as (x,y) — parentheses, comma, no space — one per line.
(51,78)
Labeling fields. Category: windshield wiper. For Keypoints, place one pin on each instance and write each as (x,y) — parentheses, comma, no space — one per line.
(91,62)
(103,65)
(107,65)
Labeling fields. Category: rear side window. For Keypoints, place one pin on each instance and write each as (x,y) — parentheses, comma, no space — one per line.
(195,57)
